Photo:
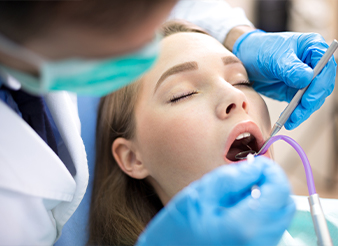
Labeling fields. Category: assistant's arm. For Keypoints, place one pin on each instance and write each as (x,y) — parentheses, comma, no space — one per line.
(217,17)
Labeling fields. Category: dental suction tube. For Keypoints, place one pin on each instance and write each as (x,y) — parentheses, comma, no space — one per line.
(318,218)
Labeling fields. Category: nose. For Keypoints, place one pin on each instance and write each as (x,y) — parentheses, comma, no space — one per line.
(231,103)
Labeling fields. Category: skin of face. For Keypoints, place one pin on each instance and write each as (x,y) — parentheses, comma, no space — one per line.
(63,41)
(178,142)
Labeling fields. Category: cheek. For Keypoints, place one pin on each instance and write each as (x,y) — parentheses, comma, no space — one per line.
(259,111)
(169,143)
(169,136)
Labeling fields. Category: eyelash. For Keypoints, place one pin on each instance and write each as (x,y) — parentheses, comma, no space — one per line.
(244,83)
(175,99)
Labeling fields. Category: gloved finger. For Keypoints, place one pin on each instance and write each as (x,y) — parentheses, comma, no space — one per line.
(249,207)
(278,91)
(312,47)
(263,223)
(275,190)
(290,93)
(313,56)
(292,71)
(227,184)
(295,66)
(275,226)
(314,97)
(321,86)
(273,183)
(299,115)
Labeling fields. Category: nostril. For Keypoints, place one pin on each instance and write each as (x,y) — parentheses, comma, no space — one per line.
(230,107)
(244,105)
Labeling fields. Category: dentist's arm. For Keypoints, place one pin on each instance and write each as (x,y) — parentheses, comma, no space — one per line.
(219,210)
(234,34)
(278,63)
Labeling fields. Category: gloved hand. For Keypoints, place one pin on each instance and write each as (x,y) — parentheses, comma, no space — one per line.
(281,63)
(219,210)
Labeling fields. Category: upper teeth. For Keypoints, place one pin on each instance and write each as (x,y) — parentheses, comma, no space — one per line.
(243,135)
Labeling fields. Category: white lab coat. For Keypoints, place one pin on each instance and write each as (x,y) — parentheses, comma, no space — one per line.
(37,193)
(215,16)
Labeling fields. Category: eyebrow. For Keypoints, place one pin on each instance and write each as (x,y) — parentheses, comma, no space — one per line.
(190,66)
(183,67)
(230,60)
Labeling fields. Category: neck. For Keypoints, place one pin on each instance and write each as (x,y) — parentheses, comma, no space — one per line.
(159,191)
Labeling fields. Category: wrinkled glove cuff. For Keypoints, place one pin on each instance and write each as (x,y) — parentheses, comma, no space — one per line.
(239,41)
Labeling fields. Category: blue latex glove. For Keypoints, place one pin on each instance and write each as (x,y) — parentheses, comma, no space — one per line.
(281,63)
(219,210)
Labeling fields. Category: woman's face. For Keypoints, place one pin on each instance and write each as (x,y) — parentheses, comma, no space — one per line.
(192,106)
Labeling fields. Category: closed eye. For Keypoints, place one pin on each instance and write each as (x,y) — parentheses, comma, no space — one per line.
(175,99)
(243,83)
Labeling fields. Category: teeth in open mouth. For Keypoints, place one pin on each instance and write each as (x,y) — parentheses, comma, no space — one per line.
(243,135)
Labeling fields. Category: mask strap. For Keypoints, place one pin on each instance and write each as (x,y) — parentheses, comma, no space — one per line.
(15,50)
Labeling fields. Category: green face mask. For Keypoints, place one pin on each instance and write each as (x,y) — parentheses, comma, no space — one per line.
(86,77)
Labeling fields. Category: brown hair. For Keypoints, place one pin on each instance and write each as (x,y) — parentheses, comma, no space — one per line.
(121,206)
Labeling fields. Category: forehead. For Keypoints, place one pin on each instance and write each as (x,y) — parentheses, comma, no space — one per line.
(186,47)
(182,47)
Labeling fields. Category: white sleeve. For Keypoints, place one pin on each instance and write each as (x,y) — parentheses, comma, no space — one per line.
(215,16)
(25,220)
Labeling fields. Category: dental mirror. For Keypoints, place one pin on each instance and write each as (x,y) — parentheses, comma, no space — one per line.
(242,155)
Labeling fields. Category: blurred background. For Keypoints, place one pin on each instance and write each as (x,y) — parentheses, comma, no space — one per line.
(318,136)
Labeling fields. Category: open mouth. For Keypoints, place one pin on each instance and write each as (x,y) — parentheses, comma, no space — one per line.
(244,142)
(245,136)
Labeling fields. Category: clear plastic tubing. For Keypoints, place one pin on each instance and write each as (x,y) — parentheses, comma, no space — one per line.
(302,155)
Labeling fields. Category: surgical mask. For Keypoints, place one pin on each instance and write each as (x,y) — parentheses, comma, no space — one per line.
(86,77)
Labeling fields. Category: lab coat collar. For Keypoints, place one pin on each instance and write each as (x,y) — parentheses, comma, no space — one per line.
(8,80)
(63,108)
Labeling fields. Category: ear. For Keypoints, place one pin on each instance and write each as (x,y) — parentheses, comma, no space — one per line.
(126,157)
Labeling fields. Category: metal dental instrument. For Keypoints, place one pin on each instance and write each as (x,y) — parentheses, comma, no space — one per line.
(294,102)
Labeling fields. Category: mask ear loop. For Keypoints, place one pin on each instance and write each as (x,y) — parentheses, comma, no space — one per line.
(13,49)
(318,218)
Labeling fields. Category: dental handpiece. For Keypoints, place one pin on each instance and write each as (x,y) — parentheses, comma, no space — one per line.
(319,221)
(296,99)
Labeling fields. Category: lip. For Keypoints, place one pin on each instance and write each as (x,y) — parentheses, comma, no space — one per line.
(242,127)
